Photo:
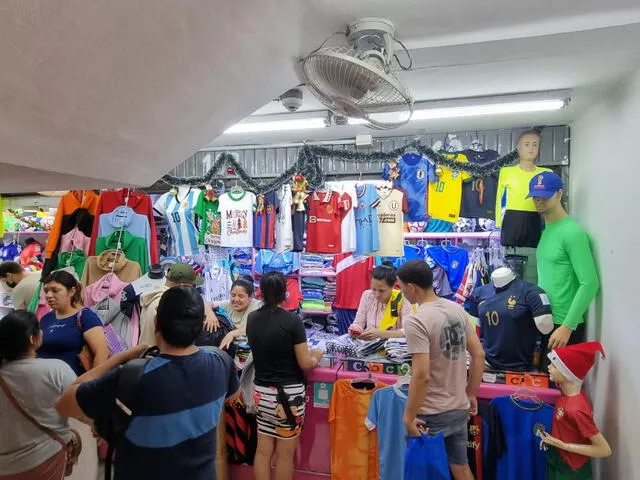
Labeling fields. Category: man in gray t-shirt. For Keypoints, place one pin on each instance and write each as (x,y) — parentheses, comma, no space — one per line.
(439,336)
(36,384)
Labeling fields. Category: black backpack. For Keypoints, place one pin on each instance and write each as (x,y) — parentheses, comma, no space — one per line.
(112,426)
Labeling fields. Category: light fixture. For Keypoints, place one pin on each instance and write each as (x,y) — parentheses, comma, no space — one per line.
(477,110)
(278,125)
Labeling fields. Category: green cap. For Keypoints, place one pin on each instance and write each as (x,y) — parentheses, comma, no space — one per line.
(183,273)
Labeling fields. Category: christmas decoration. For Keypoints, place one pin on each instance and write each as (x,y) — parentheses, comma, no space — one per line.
(309,165)
(299,189)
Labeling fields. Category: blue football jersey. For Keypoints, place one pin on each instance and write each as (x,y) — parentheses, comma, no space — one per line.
(415,172)
(507,329)
(521,420)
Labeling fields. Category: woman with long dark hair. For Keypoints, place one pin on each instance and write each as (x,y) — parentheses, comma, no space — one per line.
(278,343)
(68,327)
(26,451)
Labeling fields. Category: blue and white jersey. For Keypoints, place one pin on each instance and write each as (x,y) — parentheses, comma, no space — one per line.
(180,216)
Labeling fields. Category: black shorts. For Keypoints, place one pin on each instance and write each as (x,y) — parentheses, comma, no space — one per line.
(521,229)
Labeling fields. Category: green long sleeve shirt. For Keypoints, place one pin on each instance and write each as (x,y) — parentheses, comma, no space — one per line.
(567,271)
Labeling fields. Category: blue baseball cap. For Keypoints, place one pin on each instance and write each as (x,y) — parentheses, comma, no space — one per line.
(545,185)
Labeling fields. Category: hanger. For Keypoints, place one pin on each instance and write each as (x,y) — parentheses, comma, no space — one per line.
(406,378)
(526,393)
(364,383)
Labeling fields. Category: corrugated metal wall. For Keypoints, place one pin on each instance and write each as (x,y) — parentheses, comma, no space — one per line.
(270,161)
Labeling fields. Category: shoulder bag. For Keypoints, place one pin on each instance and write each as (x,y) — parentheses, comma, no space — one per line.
(72,449)
(86,355)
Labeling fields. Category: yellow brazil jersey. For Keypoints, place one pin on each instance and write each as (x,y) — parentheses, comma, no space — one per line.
(445,193)
(515,181)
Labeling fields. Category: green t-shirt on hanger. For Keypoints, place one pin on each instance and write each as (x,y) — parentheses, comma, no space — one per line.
(208,211)
(75,259)
(134,248)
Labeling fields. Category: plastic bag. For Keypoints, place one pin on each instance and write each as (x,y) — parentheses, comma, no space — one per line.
(426,459)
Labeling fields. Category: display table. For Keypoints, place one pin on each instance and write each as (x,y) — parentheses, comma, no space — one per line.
(313,459)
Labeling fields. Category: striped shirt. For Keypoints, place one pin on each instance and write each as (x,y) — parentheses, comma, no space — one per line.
(180,216)
(172,433)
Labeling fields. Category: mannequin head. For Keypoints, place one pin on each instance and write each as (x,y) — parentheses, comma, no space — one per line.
(503,276)
(549,206)
(557,377)
(528,146)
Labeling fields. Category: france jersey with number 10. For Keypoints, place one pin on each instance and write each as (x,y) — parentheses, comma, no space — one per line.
(416,171)
(180,216)
(507,328)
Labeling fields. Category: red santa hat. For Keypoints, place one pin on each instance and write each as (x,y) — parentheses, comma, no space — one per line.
(575,361)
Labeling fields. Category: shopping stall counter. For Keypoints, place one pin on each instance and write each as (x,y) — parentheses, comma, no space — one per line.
(313,459)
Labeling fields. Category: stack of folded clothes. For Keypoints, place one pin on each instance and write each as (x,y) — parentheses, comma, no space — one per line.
(313,294)
(329,291)
(242,261)
(353,347)
(396,350)
(311,263)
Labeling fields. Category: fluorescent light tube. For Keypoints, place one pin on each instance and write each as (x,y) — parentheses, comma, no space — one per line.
(472,110)
(277,125)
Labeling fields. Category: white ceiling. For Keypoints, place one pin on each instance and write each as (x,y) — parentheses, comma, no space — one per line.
(104,93)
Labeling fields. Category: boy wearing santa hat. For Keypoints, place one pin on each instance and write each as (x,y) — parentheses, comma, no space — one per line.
(573,433)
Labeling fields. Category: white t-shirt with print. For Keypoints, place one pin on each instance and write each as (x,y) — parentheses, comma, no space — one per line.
(236,219)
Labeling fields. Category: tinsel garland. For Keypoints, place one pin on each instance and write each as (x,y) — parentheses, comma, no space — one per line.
(309,164)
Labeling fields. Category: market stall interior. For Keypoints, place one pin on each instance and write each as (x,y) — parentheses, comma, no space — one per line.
(378,137)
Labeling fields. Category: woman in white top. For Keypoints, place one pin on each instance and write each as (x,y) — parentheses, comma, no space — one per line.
(26,452)
(238,307)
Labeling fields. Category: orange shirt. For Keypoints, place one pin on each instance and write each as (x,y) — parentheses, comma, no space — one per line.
(354,449)
(69,203)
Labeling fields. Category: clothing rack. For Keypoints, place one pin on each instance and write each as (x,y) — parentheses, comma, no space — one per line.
(455,236)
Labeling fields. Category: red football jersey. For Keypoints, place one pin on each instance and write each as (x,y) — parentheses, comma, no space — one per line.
(294,295)
(353,277)
(573,423)
(324,222)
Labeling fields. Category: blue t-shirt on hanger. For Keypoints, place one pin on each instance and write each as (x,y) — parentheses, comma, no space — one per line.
(367,236)
(385,416)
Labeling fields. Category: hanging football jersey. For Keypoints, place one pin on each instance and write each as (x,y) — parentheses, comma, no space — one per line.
(348,232)
(445,191)
(366,220)
(415,172)
(236,211)
(264,221)
(324,222)
(179,213)
(354,449)
(284,227)
(479,194)
(391,206)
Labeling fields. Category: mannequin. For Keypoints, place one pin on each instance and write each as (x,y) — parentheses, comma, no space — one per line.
(512,315)
(521,227)
(566,268)
(574,435)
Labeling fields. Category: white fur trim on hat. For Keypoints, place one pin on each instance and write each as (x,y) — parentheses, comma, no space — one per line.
(560,365)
